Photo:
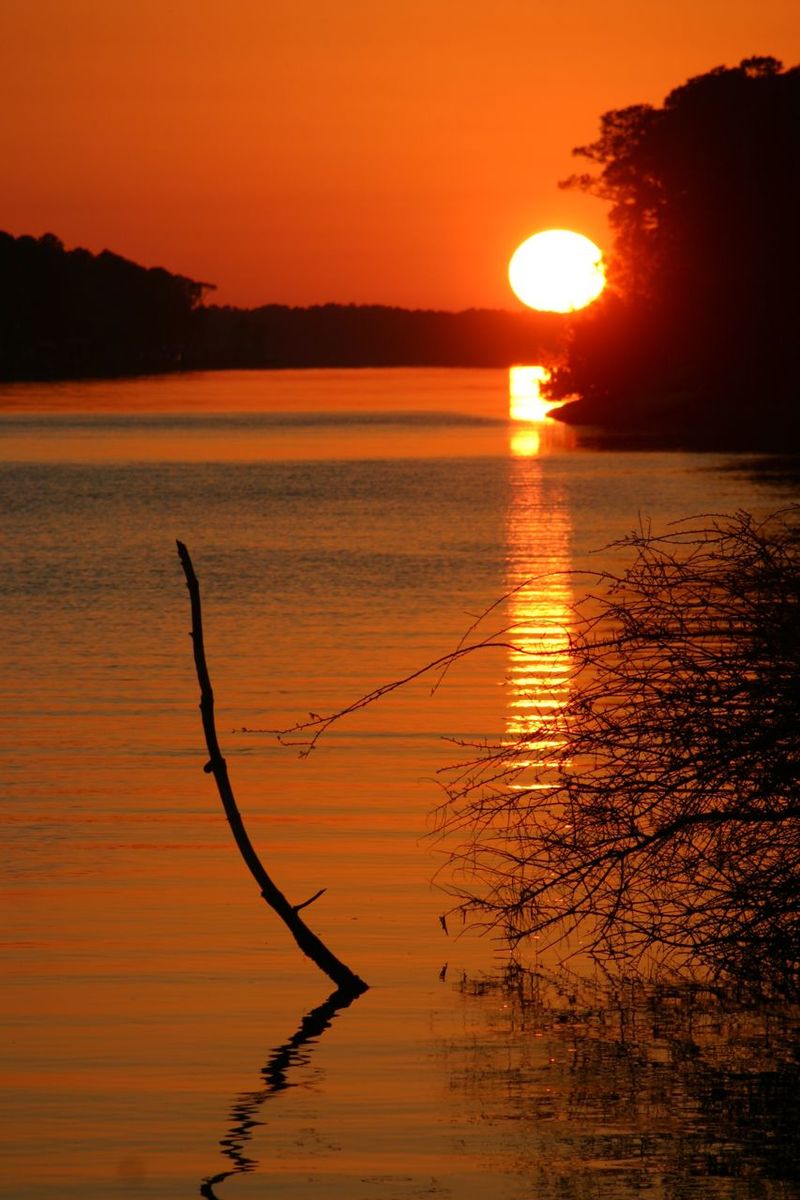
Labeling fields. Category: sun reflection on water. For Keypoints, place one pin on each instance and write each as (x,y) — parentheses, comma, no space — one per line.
(526,443)
(526,402)
(537,580)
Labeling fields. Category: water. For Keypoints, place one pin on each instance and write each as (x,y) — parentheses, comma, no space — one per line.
(346,527)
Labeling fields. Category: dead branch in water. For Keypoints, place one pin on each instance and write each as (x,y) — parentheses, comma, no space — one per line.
(345,979)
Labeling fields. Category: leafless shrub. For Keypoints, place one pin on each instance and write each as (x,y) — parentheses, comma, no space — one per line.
(661,822)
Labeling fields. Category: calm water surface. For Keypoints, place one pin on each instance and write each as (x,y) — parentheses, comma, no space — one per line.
(346,527)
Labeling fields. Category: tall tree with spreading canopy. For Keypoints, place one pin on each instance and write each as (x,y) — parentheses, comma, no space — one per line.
(703,305)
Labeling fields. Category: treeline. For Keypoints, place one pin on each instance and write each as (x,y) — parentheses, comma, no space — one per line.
(69,313)
(698,328)
(73,314)
(369,335)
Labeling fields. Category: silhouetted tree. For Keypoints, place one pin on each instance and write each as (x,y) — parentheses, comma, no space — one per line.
(703,305)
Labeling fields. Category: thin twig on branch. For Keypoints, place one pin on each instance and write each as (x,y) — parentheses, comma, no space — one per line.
(345,979)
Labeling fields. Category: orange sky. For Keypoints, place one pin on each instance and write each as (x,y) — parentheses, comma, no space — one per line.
(300,151)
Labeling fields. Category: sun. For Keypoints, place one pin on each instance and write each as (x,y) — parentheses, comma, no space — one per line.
(557,271)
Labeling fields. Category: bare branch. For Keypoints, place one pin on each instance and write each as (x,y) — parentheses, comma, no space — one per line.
(309,943)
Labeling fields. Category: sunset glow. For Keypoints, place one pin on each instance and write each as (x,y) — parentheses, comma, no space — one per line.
(557,271)
(313,152)
(400,542)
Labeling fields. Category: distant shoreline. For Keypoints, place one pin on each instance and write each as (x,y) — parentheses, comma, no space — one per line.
(72,315)
(322,337)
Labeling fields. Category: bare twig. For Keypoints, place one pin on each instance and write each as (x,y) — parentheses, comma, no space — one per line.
(310,900)
(306,734)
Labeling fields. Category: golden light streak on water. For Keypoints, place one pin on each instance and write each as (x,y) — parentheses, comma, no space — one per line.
(526,402)
(537,566)
(526,443)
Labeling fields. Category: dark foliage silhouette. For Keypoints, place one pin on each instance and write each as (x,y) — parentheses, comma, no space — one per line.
(69,313)
(699,323)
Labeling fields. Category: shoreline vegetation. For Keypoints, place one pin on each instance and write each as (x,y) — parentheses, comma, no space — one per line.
(697,328)
(69,314)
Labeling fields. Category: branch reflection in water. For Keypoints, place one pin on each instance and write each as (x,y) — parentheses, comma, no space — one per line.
(618,1090)
(274,1074)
